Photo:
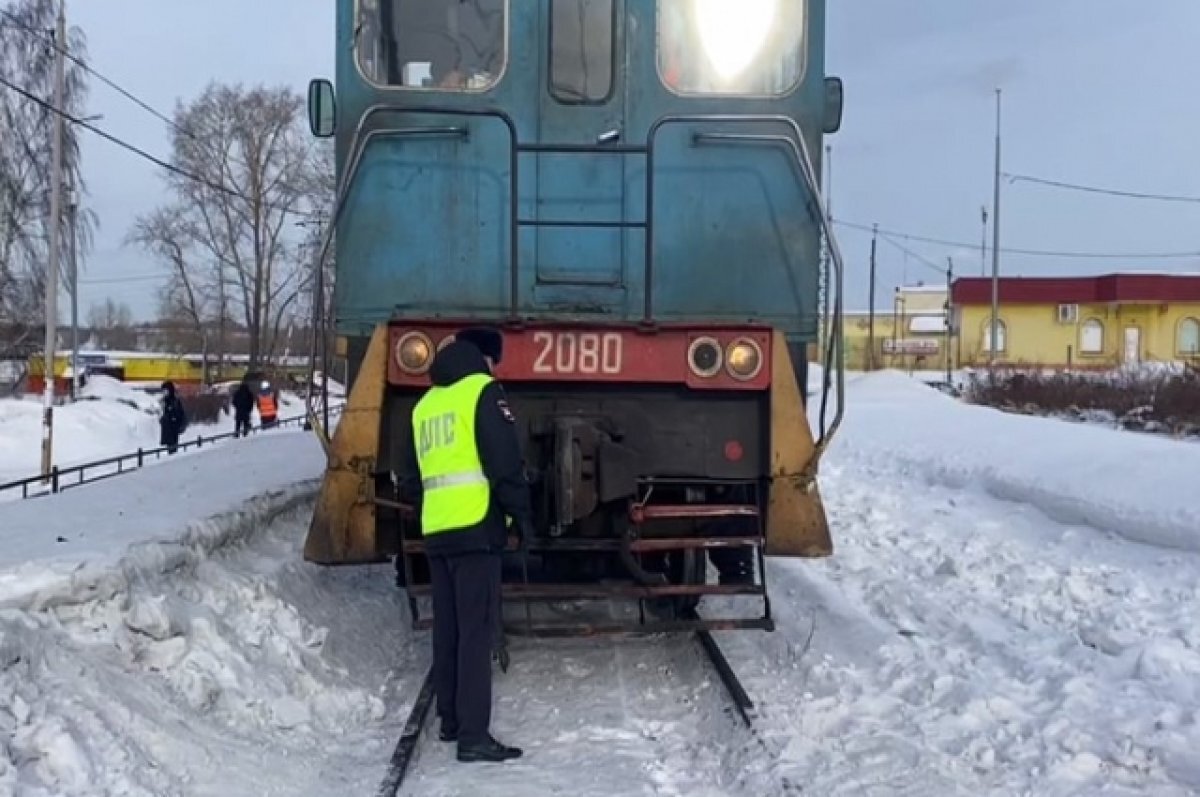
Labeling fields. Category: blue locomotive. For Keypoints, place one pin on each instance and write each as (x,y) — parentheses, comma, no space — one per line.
(629,189)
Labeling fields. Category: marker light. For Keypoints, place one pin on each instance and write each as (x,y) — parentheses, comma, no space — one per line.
(733,33)
(743,359)
(704,357)
(414,352)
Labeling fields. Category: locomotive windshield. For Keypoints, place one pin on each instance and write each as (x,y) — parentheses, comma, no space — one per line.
(705,47)
(451,45)
(752,47)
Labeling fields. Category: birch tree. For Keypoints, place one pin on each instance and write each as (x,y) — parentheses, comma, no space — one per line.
(26,127)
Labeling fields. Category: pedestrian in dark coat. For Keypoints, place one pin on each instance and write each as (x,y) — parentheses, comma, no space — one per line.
(243,405)
(465,554)
(173,420)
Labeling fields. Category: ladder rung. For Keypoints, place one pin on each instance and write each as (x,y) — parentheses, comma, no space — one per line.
(611,545)
(565,592)
(615,225)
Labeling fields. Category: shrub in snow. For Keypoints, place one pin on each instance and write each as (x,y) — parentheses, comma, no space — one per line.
(1153,400)
(205,408)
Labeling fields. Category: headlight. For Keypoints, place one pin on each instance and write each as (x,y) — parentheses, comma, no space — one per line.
(704,357)
(743,359)
(414,352)
(732,34)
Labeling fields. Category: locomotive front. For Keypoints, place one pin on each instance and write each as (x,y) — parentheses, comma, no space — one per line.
(628,189)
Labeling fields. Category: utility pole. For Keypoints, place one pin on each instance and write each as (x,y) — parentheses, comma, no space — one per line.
(983,243)
(56,186)
(996,245)
(949,318)
(73,255)
(871,304)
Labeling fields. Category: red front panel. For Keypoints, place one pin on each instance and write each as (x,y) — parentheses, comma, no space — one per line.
(569,353)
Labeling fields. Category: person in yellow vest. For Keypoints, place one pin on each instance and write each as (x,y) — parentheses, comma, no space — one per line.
(464,472)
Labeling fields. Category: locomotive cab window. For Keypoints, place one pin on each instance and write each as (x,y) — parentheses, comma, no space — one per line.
(742,47)
(445,45)
(581,50)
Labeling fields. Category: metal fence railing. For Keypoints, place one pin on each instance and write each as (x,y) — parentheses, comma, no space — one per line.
(60,479)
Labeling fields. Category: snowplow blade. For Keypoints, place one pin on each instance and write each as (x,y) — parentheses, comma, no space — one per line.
(796,522)
(343,524)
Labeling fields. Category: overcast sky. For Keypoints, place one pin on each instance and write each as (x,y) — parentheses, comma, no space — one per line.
(1098,92)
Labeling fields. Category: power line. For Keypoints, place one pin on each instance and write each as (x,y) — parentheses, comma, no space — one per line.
(84,65)
(1016,251)
(141,152)
(1091,189)
(120,142)
(49,37)
(129,278)
(920,260)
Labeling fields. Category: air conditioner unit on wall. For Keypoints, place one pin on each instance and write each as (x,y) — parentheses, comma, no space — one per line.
(1068,313)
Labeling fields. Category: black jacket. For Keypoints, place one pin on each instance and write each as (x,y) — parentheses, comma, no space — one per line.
(173,420)
(243,399)
(499,452)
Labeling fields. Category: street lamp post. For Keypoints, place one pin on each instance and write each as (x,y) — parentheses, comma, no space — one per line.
(995,343)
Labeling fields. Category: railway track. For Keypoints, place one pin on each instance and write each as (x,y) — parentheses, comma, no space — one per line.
(406,747)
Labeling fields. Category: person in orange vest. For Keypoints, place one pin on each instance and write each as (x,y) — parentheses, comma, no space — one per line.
(268,409)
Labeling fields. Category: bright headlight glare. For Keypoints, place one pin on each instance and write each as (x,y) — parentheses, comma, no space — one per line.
(733,32)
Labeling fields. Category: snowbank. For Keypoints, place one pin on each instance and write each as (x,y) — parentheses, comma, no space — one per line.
(959,644)
(1138,486)
(160,634)
(73,544)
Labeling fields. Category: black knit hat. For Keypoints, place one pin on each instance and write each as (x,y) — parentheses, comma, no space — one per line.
(488,340)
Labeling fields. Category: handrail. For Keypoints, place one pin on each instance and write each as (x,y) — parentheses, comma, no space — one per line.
(835,354)
(139,457)
(358,148)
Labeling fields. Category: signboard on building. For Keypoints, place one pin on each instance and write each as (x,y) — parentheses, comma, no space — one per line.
(913,346)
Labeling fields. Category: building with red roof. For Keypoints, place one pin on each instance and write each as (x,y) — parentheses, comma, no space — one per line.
(1079,322)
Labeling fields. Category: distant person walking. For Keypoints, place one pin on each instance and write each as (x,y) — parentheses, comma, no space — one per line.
(243,405)
(268,408)
(173,420)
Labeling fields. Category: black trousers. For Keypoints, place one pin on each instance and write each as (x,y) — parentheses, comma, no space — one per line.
(465,621)
(241,425)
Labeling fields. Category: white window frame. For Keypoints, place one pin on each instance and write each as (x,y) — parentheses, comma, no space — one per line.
(1194,323)
(1095,326)
(1002,344)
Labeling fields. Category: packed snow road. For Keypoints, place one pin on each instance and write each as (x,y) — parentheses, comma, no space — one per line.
(993,622)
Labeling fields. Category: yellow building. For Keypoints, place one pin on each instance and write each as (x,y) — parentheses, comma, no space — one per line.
(150,369)
(911,336)
(1079,322)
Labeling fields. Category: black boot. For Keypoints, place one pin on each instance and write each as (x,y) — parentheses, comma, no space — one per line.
(448,733)
(487,750)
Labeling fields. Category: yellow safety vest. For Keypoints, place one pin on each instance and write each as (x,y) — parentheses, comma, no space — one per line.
(455,490)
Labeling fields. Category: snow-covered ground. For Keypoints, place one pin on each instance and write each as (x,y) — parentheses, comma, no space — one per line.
(111,419)
(1012,609)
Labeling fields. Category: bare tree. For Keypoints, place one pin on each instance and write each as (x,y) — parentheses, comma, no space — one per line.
(109,315)
(27,61)
(229,236)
